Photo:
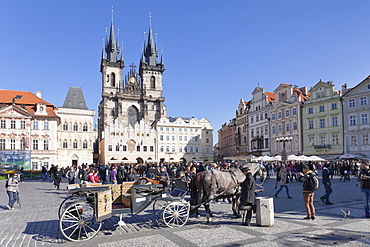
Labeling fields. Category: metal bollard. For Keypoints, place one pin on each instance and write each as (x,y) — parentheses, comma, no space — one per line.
(265,211)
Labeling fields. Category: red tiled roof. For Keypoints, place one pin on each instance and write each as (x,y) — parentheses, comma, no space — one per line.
(27,99)
(270,97)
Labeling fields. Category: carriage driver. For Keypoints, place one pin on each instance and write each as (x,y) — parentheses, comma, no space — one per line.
(248,197)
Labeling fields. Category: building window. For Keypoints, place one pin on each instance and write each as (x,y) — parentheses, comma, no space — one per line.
(145,148)
(279,115)
(364,119)
(35,144)
(191,149)
(65,126)
(351,103)
(353,141)
(335,139)
(363,101)
(117,148)
(207,150)
(35,125)
(287,113)
(185,149)
(185,138)
(287,126)
(273,116)
(75,127)
(22,144)
(124,148)
(161,128)
(23,124)
(167,137)
(310,110)
(266,143)
(161,137)
(12,124)
(322,123)
(334,121)
(310,124)
(294,111)
(280,128)
(12,144)
(365,139)
(2,124)
(65,144)
(173,149)
(322,140)
(322,108)
(352,120)
(252,120)
(173,138)
(75,144)
(295,126)
(161,149)
(84,144)
(46,144)
(196,149)
(84,128)
(334,106)
(207,140)
(2,144)
(257,118)
(273,129)
(311,141)
(46,125)
(167,148)
(110,148)
(138,148)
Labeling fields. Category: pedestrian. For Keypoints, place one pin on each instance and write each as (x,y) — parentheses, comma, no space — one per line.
(82,174)
(310,184)
(131,175)
(193,189)
(21,175)
(44,173)
(327,184)
(57,177)
(284,180)
(278,178)
(52,172)
(248,196)
(71,175)
(121,174)
(112,175)
(364,178)
(12,190)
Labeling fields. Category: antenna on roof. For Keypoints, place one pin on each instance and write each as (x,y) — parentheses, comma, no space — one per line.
(112,13)
(150,19)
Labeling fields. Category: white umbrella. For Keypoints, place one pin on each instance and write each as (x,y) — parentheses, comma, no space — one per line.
(292,157)
(277,158)
(316,158)
(346,156)
(303,158)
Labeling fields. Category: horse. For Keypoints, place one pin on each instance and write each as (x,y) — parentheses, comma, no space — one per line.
(225,184)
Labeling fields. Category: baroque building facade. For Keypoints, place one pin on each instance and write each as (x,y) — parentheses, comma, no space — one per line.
(76,135)
(322,121)
(28,130)
(356,121)
(285,121)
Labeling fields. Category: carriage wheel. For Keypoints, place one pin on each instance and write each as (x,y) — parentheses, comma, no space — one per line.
(65,203)
(78,222)
(176,214)
(158,206)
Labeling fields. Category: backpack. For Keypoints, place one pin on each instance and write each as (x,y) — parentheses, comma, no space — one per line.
(6,184)
(313,182)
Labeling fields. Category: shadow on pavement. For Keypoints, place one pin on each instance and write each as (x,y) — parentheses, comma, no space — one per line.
(45,231)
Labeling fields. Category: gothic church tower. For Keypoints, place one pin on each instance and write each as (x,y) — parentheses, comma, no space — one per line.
(135,98)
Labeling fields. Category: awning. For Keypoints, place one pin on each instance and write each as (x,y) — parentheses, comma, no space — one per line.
(249,157)
(329,156)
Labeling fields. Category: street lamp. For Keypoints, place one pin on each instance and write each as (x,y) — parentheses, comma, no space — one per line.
(284,140)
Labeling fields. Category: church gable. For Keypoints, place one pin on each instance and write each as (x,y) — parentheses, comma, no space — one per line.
(14,112)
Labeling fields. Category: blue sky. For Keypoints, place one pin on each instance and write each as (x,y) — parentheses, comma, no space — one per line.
(215,52)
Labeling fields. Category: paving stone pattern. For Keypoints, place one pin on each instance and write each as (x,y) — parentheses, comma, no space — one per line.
(36,222)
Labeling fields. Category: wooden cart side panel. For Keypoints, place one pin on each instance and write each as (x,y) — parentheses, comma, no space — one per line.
(103,205)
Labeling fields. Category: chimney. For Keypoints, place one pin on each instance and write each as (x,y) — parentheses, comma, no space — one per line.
(38,94)
(344,87)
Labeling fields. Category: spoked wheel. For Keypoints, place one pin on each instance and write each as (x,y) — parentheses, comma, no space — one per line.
(78,222)
(158,206)
(176,214)
(65,203)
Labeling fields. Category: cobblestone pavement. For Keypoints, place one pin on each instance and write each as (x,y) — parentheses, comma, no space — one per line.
(36,223)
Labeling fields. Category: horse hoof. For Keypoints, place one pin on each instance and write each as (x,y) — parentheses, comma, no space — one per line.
(209,220)
(198,216)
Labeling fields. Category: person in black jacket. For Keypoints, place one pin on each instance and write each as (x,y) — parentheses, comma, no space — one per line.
(58,177)
(121,174)
(327,184)
(248,195)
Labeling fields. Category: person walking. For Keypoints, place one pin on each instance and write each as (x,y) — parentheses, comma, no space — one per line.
(364,178)
(327,184)
(58,177)
(309,179)
(284,180)
(12,190)
(71,175)
(112,175)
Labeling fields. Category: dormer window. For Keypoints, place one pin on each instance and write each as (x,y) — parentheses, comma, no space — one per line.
(41,109)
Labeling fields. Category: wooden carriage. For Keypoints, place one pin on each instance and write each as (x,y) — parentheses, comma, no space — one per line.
(82,214)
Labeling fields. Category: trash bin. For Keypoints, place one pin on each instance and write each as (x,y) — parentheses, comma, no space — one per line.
(265,211)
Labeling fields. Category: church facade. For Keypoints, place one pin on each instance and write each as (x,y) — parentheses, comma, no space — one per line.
(132,106)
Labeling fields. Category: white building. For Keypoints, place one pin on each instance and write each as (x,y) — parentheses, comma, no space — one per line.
(184,139)
(28,130)
(356,122)
(76,135)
